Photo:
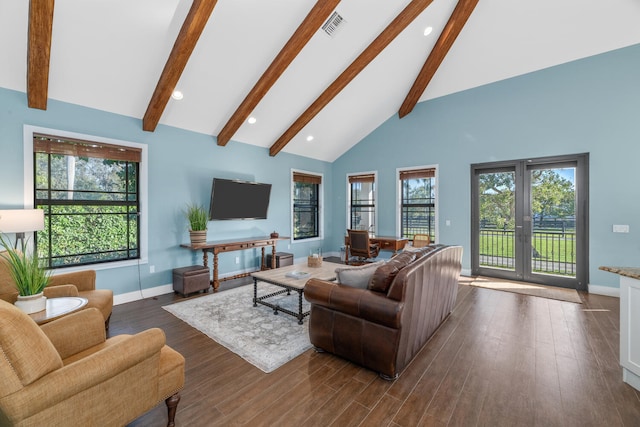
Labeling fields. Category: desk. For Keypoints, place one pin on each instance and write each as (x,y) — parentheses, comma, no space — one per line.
(58,307)
(234,245)
(386,243)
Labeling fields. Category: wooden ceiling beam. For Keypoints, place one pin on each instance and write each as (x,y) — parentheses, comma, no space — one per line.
(410,12)
(314,20)
(452,29)
(186,41)
(39,52)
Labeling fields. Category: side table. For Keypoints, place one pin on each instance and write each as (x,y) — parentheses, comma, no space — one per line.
(58,307)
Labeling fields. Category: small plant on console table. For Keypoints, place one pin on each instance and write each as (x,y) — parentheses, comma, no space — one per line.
(198,219)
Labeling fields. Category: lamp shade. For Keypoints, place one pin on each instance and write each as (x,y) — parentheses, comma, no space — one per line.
(21,220)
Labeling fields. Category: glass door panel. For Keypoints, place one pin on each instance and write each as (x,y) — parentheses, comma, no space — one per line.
(553,221)
(496,231)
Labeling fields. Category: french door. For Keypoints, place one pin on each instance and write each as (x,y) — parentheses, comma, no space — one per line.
(530,220)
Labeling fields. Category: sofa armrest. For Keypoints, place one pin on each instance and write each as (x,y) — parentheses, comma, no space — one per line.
(133,354)
(362,303)
(76,332)
(84,280)
(61,291)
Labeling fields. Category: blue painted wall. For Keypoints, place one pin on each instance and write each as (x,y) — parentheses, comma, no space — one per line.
(181,167)
(591,105)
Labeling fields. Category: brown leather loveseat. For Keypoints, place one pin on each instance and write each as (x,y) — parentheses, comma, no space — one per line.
(384,326)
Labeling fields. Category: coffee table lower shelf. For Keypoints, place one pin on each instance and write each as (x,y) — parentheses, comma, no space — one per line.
(300,315)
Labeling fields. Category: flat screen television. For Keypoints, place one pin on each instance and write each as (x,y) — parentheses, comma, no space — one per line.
(235,199)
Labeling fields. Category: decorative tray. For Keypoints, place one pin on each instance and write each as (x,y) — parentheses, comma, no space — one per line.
(298,274)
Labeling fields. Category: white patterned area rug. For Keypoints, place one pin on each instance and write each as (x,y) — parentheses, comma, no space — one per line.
(263,339)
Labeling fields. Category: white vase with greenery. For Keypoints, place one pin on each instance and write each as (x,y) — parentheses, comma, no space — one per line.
(28,276)
(198,220)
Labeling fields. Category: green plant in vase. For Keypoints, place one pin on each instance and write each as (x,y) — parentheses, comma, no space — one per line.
(28,276)
(198,219)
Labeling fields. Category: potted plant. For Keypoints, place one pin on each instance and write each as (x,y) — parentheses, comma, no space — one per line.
(28,276)
(198,219)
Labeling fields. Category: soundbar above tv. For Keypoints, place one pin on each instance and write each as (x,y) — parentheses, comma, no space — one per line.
(235,199)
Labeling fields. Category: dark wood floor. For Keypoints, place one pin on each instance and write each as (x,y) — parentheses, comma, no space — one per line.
(500,359)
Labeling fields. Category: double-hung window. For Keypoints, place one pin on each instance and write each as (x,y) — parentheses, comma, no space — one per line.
(306,205)
(362,202)
(418,202)
(90,194)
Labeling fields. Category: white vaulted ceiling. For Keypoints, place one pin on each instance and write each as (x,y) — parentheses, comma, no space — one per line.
(110,54)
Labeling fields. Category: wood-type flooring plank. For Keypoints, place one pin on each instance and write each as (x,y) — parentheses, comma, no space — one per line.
(500,359)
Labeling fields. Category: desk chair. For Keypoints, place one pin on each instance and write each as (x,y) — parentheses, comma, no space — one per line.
(421,240)
(360,247)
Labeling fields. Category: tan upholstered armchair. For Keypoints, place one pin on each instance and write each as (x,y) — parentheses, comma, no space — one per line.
(76,284)
(66,373)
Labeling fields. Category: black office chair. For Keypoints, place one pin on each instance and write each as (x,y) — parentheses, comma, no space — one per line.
(361,248)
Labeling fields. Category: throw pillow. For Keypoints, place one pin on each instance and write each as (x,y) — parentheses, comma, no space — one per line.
(357,277)
(384,275)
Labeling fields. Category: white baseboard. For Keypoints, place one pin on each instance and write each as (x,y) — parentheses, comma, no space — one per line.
(160,290)
(142,294)
(607,291)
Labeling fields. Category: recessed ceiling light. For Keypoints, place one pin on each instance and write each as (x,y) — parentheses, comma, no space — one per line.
(310,138)
(428,30)
(177,95)
(252,120)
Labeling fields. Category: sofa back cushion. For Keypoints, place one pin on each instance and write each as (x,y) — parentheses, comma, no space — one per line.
(384,275)
(357,277)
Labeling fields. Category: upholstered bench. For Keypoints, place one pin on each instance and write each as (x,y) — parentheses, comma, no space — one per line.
(194,278)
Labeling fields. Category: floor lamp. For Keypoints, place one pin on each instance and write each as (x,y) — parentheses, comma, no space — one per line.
(20,221)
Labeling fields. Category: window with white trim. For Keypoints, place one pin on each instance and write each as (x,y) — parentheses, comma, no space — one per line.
(306,205)
(90,193)
(362,202)
(418,202)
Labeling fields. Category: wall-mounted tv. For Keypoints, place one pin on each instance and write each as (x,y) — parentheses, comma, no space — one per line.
(235,199)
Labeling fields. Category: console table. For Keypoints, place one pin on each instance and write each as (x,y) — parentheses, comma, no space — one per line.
(234,245)
(386,243)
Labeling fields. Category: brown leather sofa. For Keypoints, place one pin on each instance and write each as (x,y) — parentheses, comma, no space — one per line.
(384,326)
(76,284)
(66,373)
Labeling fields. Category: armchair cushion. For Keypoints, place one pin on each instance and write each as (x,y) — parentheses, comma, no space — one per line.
(76,332)
(60,291)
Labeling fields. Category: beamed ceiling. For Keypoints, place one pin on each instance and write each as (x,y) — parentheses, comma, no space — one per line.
(272,60)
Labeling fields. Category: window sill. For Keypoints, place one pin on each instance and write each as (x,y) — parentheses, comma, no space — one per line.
(101,266)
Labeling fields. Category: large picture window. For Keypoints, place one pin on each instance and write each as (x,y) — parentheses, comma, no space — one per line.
(362,202)
(90,193)
(418,202)
(306,205)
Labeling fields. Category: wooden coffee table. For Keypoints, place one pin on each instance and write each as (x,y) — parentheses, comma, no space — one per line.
(281,277)
(58,307)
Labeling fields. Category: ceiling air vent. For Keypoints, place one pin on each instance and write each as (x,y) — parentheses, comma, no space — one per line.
(334,22)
